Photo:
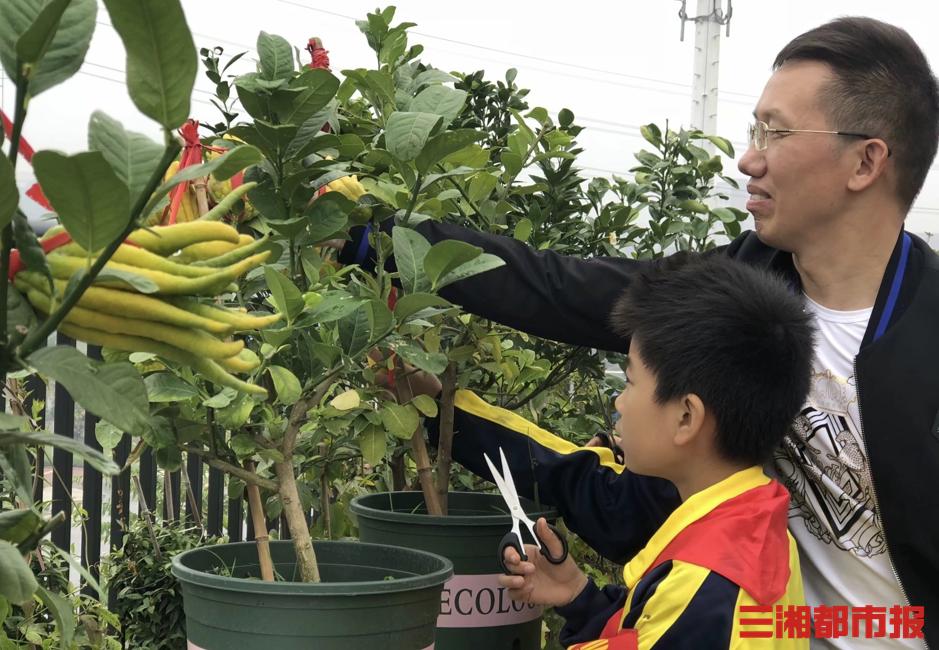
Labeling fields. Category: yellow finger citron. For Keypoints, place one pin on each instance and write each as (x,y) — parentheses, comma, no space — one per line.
(127,303)
(236,255)
(165,240)
(195,341)
(227,201)
(207,249)
(244,361)
(141,258)
(239,320)
(64,266)
(206,367)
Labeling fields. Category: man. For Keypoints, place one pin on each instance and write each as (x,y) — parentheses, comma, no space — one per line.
(846,130)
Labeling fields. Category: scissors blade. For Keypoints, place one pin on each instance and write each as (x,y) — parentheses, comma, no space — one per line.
(497,479)
(509,481)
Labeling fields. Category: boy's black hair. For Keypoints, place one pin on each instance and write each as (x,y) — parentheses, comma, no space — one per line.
(735,336)
(883,86)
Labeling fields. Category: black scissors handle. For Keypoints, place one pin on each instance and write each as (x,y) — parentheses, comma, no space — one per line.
(610,443)
(511,540)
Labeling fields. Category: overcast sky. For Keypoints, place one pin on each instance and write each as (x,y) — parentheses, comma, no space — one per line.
(616,65)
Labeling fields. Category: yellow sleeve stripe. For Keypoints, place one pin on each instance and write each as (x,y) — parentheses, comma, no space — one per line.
(471,403)
(669,602)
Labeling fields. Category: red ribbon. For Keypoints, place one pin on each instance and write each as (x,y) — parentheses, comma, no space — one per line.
(34,192)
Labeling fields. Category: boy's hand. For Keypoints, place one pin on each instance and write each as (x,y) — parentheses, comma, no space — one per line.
(538,581)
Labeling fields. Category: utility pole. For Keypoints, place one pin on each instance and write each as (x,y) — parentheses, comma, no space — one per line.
(708,21)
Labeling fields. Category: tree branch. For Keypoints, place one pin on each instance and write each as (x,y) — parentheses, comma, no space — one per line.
(234,470)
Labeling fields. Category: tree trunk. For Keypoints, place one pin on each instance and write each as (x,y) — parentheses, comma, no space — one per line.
(293,512)
(445,445)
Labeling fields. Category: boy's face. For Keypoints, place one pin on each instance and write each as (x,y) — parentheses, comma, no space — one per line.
(645,427)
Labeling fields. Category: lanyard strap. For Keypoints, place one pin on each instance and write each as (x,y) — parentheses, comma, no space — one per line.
(894,288)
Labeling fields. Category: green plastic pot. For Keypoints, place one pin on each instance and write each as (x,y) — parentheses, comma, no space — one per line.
(475,612)
(371,596)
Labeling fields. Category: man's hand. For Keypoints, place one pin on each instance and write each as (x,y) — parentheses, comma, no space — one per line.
(538,581)
(408,383)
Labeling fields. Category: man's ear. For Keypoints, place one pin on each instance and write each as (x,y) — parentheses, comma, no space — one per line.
(691,420)
(871,164)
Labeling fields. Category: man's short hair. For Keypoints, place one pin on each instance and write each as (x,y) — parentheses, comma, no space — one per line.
(883,87)
(735,336)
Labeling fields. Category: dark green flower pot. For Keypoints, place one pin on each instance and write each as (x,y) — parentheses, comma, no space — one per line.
(371,596)
(475,612)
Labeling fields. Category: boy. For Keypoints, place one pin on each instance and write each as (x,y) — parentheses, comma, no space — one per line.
(719,364)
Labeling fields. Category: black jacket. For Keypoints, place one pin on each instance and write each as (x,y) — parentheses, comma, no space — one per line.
(569,299)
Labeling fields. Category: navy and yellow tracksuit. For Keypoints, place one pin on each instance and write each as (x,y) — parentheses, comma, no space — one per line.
(723,549)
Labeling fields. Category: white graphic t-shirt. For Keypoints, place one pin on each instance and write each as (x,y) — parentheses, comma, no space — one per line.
(823,464)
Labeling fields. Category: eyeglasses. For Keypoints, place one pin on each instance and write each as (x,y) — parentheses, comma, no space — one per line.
(757,134)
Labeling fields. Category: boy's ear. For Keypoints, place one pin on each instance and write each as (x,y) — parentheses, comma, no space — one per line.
(692,417)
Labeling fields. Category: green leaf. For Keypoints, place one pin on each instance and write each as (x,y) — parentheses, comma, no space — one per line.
(523,229)
(32,45)
(276,56)
(222,168)
(400,419)
(373,444)
(20,316)
(286,385)
(136,282)
(406,133)
(442,145)
(220,400)
(565,117)
(92,456)
(412,303)
(167,387)
(439,100)
(432,362)
(169,458)
(133,156)
(17,583)
(327,216)
(161,57)
(61,610)
(17,525)
(355,332)
(426,405)
(107,435)
(379,318)
(410,248)
(113,391)
(15,463)
(64,56)
(9,195)
(334,306)
(724,215)
(652,134)
(433,76)
(318,87)
(447,255)
(723,144)
(287,298)
(92,202)
(483,263)
(26,242)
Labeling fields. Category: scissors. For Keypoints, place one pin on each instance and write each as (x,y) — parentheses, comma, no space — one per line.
(513,538)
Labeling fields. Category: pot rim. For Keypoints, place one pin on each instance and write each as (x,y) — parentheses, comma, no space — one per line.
(360,507)
(414,582)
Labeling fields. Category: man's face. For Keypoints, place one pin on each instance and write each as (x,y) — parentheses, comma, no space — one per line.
(645,426)
(797,185)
